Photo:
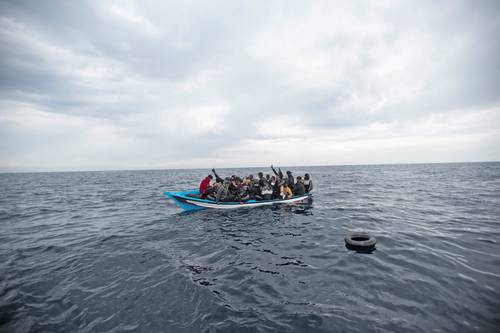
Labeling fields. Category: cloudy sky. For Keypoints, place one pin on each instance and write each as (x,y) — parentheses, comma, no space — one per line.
(97,85)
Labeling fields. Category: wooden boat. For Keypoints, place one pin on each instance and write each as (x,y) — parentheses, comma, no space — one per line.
(190,201)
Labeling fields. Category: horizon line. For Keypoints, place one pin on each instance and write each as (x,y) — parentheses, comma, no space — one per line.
(249,167)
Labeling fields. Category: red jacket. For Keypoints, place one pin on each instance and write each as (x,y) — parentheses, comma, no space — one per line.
(204,184)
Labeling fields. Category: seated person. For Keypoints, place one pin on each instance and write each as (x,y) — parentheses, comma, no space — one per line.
(204,185)
(223,193)
(254,188)
(285,191)
(246,180)
(243,192)
(266,191)
(261,179)
(233,185)
(308,184)
(299,188)
(212,191)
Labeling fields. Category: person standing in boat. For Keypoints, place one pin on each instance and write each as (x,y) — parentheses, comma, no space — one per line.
(275,183)
(308,184)
(290,179)
(204,185)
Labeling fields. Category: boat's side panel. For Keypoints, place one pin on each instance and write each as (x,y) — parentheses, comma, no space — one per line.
(238,205)
(234,205)
(189,203)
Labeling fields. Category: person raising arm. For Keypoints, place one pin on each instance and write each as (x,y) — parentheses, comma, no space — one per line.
(217,178)
(278,173)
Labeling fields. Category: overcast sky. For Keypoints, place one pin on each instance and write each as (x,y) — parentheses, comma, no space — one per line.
(97,85)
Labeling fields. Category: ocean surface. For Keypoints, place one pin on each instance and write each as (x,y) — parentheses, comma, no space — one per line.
(107,252)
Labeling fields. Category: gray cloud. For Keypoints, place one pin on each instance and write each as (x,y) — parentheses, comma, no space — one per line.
(187,83)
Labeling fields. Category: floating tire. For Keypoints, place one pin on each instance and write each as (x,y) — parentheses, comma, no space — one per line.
(360,241)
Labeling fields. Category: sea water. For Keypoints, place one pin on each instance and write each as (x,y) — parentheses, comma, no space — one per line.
(107,252)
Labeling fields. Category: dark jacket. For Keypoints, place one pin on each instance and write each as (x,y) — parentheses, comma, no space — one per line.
(253,187)
(217,178)
(291,182)
(276,190)
(262,182)
(299,188)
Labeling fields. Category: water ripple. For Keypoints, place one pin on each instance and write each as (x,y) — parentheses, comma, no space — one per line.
(104,251)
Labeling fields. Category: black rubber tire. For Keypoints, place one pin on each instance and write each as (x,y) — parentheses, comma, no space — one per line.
(360,241)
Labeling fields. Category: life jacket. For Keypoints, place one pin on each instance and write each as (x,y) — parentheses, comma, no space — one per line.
(307,184)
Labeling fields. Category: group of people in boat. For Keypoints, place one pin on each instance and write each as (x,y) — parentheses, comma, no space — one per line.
(234,188)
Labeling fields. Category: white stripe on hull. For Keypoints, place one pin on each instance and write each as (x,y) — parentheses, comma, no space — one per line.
(234,206)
